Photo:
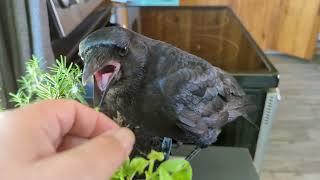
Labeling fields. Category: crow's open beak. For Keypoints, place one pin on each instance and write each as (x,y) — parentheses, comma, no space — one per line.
(103,74)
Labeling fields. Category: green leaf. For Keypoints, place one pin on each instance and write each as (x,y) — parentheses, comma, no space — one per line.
(164,174)
(130,168)
(178,168)
(154,155)
(173,164)
(183,174)
(121,174)
(138,164)
(126,167)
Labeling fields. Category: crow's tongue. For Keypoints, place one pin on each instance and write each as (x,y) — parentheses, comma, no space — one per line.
(103,79)
(105,74)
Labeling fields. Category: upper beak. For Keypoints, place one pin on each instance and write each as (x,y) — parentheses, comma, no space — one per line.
(88,71)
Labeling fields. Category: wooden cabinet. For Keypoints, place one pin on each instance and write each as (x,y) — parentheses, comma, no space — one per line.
(288,26)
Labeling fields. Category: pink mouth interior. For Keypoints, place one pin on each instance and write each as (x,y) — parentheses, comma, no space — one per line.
(105,75)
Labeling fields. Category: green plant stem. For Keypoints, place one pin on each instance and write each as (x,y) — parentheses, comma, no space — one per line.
(150,169)
(130,177)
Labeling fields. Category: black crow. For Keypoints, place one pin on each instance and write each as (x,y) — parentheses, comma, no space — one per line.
(159,90)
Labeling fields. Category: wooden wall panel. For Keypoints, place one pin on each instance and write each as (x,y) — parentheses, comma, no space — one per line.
(288,26)
(296,32)
(314,38)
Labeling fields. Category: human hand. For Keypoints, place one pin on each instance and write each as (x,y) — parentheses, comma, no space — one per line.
(61,139)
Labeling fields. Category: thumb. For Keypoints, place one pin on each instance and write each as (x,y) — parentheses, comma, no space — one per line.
(97,159)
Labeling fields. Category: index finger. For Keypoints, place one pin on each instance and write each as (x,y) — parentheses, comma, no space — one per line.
(60,117)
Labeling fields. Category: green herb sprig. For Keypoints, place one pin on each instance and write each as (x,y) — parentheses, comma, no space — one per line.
(62,81)
(172,169)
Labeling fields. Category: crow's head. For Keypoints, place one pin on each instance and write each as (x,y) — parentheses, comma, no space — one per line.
(113,54)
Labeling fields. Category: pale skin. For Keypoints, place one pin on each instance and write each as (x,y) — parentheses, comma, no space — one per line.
(61,139)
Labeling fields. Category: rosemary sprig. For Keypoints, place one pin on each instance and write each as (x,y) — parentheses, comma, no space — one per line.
(62,81)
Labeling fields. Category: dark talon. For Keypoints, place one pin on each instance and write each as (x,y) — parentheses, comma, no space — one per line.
(193,154)
(166,147)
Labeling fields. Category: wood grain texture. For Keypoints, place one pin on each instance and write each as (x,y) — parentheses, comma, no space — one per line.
(294,148)
(286,26)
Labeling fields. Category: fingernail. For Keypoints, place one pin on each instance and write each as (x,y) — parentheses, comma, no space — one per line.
(125,137)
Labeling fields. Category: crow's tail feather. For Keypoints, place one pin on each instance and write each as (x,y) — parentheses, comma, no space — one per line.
(243,107)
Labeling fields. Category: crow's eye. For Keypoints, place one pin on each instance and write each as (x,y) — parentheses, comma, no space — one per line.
(123,51)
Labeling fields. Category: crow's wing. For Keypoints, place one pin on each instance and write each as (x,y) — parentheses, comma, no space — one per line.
(200,99)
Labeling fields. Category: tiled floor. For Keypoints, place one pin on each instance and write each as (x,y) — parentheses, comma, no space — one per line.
(294,148)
